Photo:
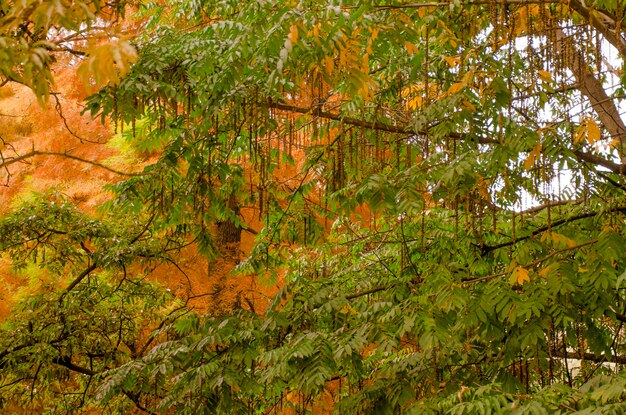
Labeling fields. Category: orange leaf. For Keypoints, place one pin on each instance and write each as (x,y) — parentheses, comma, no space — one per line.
(453,61)
(519,276)
(411,48)
(293,34)
(533,156)
(456,88)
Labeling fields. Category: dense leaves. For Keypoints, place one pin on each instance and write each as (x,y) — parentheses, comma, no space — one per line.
(438,188)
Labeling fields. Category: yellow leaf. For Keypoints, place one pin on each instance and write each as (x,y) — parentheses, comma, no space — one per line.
(533,156)
(414,103)
(107,62)
(545,76)
(519,276)
(593,131)
(562,240)
(589,130)
(411,48)
(456,88)
(453,61)
(347,309)
(545,271)
(316,31)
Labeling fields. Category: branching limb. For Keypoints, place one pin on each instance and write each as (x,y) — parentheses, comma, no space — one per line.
(8,161)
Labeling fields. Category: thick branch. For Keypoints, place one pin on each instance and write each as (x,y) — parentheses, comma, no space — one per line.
(601,26)
(600,161)
(66,362)
(374,125)
(592,88)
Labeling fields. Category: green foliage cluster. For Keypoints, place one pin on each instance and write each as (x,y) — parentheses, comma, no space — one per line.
(452,241)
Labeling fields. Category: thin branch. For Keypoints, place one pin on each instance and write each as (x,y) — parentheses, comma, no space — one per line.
(135,399)
(371,291)
(450,3)
(530,264)
(589,356)
(77,280)
(8,161)
(488,248)
(539,208)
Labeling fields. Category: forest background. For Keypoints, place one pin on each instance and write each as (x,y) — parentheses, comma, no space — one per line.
(273,207)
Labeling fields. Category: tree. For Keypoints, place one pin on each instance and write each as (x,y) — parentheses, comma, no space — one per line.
(438,186)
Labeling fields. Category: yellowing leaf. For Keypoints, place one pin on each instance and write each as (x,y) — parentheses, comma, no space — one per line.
(519,276)
(562,240)
(545,76)
(589,130)
(411,48)
(456,88)
(316,31)
(545,271)
(534,155)
(414,103)
(593,131)
(347,309)
(107,62)
(453,61)
(469,105)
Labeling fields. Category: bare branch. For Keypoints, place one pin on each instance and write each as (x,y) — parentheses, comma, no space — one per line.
(8,161)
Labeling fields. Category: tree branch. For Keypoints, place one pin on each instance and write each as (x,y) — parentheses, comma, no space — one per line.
(66,362)
(600,161)
(593,19)
(593,89)
(374,125)
(488,248)
(77,280)
(34,153)
(531,264)
(589,356)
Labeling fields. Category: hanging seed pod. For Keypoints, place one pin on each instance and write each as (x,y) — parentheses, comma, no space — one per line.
(513,237)
(494,218)
(351,149)
(493,17)
(397,151)
(456,217)
(115,109)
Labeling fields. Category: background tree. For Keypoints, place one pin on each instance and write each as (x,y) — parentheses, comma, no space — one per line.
(439,187)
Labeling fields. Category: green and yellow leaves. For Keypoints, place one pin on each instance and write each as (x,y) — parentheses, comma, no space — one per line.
(107,62)
(588,131)
(33,32)
(519,276)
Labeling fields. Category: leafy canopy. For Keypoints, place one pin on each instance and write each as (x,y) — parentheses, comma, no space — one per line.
(438,187)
